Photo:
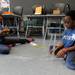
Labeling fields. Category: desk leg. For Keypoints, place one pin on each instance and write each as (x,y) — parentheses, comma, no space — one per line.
(44,28)
(43,31)
(26,31)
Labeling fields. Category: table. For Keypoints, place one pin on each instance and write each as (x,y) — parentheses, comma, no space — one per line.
(16,21)
(46,20)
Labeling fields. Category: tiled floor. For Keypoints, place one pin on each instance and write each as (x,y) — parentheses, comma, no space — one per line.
(29,60)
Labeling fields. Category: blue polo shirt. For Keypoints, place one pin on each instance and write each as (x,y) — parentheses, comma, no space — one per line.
(68,38)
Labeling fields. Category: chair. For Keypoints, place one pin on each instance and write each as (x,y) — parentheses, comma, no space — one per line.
(54,28)
(18,10)
(34,25)
(60,6)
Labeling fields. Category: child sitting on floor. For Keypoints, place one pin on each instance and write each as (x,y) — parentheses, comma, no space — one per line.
(4,49)
(68,40)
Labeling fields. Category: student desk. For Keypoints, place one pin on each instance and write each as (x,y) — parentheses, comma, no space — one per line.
(47,19)
(16,23)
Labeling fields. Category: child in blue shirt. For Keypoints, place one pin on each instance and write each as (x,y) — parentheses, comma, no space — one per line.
(68,40)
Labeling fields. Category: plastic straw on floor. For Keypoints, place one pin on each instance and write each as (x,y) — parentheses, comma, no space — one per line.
(37,45)
(33,44)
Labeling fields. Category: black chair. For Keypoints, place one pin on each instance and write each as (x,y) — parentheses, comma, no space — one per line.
(18,10)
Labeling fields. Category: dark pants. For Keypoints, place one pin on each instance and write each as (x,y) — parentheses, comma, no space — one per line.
(4,49)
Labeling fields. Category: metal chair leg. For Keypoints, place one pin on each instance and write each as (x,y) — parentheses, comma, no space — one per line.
(26,31)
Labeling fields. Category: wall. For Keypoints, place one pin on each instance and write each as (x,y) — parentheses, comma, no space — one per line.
(27,4)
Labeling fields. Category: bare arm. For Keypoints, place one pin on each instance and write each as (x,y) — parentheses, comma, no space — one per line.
(62,51)
(59,47)
(70,48)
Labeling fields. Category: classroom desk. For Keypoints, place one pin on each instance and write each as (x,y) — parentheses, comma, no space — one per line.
(46,20)
(16,21)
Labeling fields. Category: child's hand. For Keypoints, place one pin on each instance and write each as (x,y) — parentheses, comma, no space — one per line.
(62,52)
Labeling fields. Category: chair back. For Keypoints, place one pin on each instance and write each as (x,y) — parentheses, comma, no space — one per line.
(18,10)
